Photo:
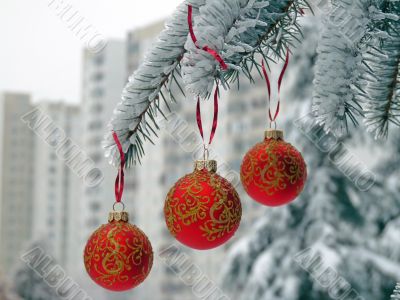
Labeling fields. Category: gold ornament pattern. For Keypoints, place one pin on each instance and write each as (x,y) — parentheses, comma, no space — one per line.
(205,198)
(272,165)
(114,250)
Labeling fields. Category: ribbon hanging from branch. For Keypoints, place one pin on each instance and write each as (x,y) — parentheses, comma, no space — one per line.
(214,53)
(120,180)
(215,118)
(282,74)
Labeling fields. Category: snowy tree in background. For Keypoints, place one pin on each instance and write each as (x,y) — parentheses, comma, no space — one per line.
(31,286)
(396,293)
(6,292)
(331,236)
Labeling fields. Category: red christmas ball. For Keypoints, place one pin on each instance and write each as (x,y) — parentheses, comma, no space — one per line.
(203,210)
(118,256)
(273,172)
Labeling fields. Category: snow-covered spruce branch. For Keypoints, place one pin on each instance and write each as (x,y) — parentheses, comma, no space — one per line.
(382,73)
(134,119)
(357,71)
(237,30)
(338,65)
(245,27)
(396,293)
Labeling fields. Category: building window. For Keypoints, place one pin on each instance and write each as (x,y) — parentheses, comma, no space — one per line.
(52,170)
(96,157)
(95,141)
(50,222)
(95,206)
(93,222)
(95,125)
(98,60)
(97,92)
(96,108)
(91,191)
(52,182)
(133,48)
(98,76)
(130,185)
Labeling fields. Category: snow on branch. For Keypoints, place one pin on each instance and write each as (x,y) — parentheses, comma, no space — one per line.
(382,73)
(338,66)
(237,30)
(357,71)
(396,293)
(140,97)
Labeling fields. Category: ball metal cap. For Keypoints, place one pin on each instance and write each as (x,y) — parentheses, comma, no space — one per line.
(209,165)
(118,216)
(274,134)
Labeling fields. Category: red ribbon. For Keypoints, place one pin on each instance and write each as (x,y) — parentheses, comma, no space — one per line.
(214,53)
(120,180)
(215,119)
(278,107)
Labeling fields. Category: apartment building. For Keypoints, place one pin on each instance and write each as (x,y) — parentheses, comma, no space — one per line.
(16,178)
(57,186)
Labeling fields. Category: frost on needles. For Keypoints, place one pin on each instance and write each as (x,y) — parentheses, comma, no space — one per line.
(396,293)
(357,71)
(236,30)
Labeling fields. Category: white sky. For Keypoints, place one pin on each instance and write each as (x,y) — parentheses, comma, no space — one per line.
(40,55)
